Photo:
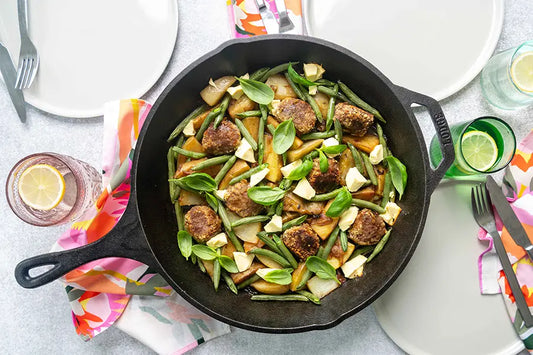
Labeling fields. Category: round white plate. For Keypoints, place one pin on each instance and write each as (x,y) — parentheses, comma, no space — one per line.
(92,52)
(432,47)
(435,306)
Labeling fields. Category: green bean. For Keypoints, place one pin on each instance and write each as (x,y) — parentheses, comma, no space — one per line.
(261,134)
(285,251)
(331,109)
(263,236)
(223,108)
(246,134)
(369,169)
(279,208)
(271,129)
(229,281)
(179,142)
(191,116)
(382,141)
(325,82)
(311,100)
(233,238)
(224,217)
(211,161)
(207,121)
(295,87)
(331,241)
(179,216)
(225,169)
(357,101)
(248,281)
(344,240)
(272,255)
(194,259)
(317,135)
(379,246)
(338,129)
(330,92)
(327,196)
(309,296)
(386,190)
(294,222)
(277,69)
(362,251)
(247,174)
(369,205)
(291,297)
(254,113)
(201,266)
(311,156)
(305,277)
(285,184)
(216,272)
(171,163)
(248,220)
(284,158)
(188,153)
(357,158)
(259,73)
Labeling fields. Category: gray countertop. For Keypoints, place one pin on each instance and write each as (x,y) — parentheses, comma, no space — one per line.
(39,320)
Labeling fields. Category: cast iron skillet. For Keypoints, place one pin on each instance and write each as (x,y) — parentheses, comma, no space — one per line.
(147,230)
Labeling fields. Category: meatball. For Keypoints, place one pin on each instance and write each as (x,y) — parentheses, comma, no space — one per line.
(324,182)
(302,241)
(368,228)
(202,223)
(238,201)
(300,111)
(223,140)
(353,119)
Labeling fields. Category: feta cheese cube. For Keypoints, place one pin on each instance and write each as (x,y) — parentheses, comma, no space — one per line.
(348,217)
(275,225)
(189,130)
(221,194)
(257,177)
(235,91)
(351,267)
(287,169)
(245,76)
(304,189)
(313,89)
(217,241)
(392,211)
(245,151)
(313,71)
(354,179)
(330,142)
(376,155)
(243,260)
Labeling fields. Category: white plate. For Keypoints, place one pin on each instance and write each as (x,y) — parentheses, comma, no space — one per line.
(432,47)
(93,51)
(435,306)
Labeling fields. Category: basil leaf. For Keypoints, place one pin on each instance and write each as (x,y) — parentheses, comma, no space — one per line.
(265,195)
(334,149)
(323,161)
(257,91)
(297,78)
(301,171)
(284,137)
(342,202)
(321,268)
(199,182)
(228,264)
(185,243)
(211,201)
(398,174)
(204,252)
(280,277)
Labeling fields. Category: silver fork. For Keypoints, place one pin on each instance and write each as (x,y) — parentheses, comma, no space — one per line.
(285,23)
(28,58)
(484,216)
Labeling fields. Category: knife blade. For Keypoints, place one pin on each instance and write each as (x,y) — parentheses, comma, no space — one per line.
(271,25)
(509,218)
(10,74)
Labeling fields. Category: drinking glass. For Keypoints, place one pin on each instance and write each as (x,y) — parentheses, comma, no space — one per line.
(83,185)
(502,135)
(499,86)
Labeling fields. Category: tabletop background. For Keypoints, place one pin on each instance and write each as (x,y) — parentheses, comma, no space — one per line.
(39,320)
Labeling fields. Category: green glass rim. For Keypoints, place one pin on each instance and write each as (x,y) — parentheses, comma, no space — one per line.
(509,65)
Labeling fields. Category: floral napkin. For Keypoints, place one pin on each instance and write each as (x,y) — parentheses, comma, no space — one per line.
(518,187)
(122,291)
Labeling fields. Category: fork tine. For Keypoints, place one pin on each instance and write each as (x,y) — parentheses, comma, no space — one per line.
(475,200)
(34,68)
(20,74)
(28,73)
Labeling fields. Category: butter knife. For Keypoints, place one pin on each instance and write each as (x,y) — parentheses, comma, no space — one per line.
(271,25)
(10,74)
(509,219)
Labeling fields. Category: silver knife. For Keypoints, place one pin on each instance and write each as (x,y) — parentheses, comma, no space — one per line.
(10,74)
(509,219)
(271,25)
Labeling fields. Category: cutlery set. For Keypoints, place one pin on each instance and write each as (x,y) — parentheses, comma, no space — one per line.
(272,26)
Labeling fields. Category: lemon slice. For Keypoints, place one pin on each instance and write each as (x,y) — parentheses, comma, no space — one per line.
(522,71)
(41,187)
(479,150)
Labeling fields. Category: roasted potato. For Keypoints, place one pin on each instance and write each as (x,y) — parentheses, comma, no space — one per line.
(213,92)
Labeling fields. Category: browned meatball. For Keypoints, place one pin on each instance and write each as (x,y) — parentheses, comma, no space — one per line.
(302,241)
(300,111)
(353,119)
(324,182)
(368,228)
(202,223)
(238,201)
(223,140)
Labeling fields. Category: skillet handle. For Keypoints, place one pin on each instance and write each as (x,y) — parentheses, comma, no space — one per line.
(126,239)
(409,97)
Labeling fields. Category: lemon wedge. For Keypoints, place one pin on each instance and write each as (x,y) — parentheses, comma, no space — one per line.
(41,187)
(522,71)
(479,150)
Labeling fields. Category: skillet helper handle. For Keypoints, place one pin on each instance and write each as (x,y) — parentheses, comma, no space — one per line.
(126,239)
(444,136)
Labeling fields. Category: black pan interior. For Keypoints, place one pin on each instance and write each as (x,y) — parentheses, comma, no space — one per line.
(156,212)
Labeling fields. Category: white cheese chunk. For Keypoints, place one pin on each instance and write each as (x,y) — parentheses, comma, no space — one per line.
(304,189)
(274,107)
(217,241)
(392,211)
(189,130)
(348,217)
(221,194)
(264,271)
(376,155)
(243,260)
(354,179)
(330,142)
(245,76)
(245,151)
(275,224)
(350,268)
(257,177)
(313,71)
(235,91)
(287,169)
(313,89)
